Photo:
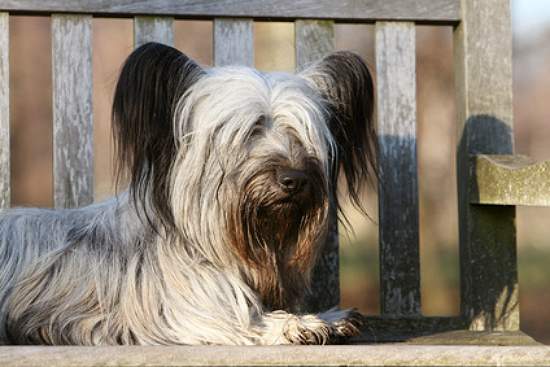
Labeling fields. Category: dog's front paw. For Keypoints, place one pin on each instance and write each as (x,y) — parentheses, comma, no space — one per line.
(343,323)
(307,330)
(330,327)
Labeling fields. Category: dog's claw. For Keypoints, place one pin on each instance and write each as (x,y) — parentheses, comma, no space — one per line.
(331,327)
(346,327)
(349,326)
(307,330)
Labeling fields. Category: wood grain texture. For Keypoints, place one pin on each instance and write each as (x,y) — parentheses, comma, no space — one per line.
(450,330)
(405,329)
(233,42)
(313,40)
(72,110)
(326,355)
(398,187)
(325,280)
(477,338)
(483,74)
(509,180)
(153,29)
(4,112)
(434,11)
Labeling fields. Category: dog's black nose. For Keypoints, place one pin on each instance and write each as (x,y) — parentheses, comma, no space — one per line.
(292,181)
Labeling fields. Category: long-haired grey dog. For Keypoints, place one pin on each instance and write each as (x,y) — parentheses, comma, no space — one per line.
(231,175)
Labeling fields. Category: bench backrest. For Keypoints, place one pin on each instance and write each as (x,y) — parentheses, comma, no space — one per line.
(482,44)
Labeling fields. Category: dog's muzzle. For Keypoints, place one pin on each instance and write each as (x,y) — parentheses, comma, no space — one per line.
(293,182)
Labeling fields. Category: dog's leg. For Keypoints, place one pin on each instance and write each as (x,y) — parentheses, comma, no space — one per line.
(332,326)
(214,307)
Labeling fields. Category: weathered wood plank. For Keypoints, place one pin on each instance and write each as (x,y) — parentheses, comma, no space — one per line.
(483,74)
(233,42)
(398,187)
(72,110)
(435,331)
(313,40)
(4,112)
(345,10)
(327,355)
(467,337)
(153,29)
(509,180)
(400,329)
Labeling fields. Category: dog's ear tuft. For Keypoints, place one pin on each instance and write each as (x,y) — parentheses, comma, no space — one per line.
(152,81)
(345,82)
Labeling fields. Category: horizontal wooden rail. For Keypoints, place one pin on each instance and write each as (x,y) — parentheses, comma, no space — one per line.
(509,180)
(429,11)
(398,329)
(444,330)
(337,355)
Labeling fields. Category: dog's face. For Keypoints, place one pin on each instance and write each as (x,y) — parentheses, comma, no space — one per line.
(242,166)
(257,152)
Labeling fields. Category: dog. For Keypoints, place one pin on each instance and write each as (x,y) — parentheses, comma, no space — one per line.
(231,174)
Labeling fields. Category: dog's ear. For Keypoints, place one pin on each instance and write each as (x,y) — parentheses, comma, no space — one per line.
(345,82)
(153,80)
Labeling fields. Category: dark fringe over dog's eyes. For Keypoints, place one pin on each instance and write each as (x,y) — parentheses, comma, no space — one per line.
(152,81)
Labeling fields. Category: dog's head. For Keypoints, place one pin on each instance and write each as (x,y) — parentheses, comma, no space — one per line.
(242,166)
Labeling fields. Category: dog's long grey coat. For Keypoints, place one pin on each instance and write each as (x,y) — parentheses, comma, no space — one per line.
(208,245)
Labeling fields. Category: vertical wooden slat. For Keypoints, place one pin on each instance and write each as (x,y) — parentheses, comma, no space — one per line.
(72,110)
(4,112)
(233,42)
(483,74)
(398,188)
(313,40)
(153,29)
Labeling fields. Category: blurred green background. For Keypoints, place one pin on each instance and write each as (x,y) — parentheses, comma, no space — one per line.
(30,83)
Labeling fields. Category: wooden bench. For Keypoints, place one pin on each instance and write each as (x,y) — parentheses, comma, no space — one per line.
(491,180)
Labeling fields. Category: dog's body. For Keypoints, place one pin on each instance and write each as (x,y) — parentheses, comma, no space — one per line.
(231,176)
